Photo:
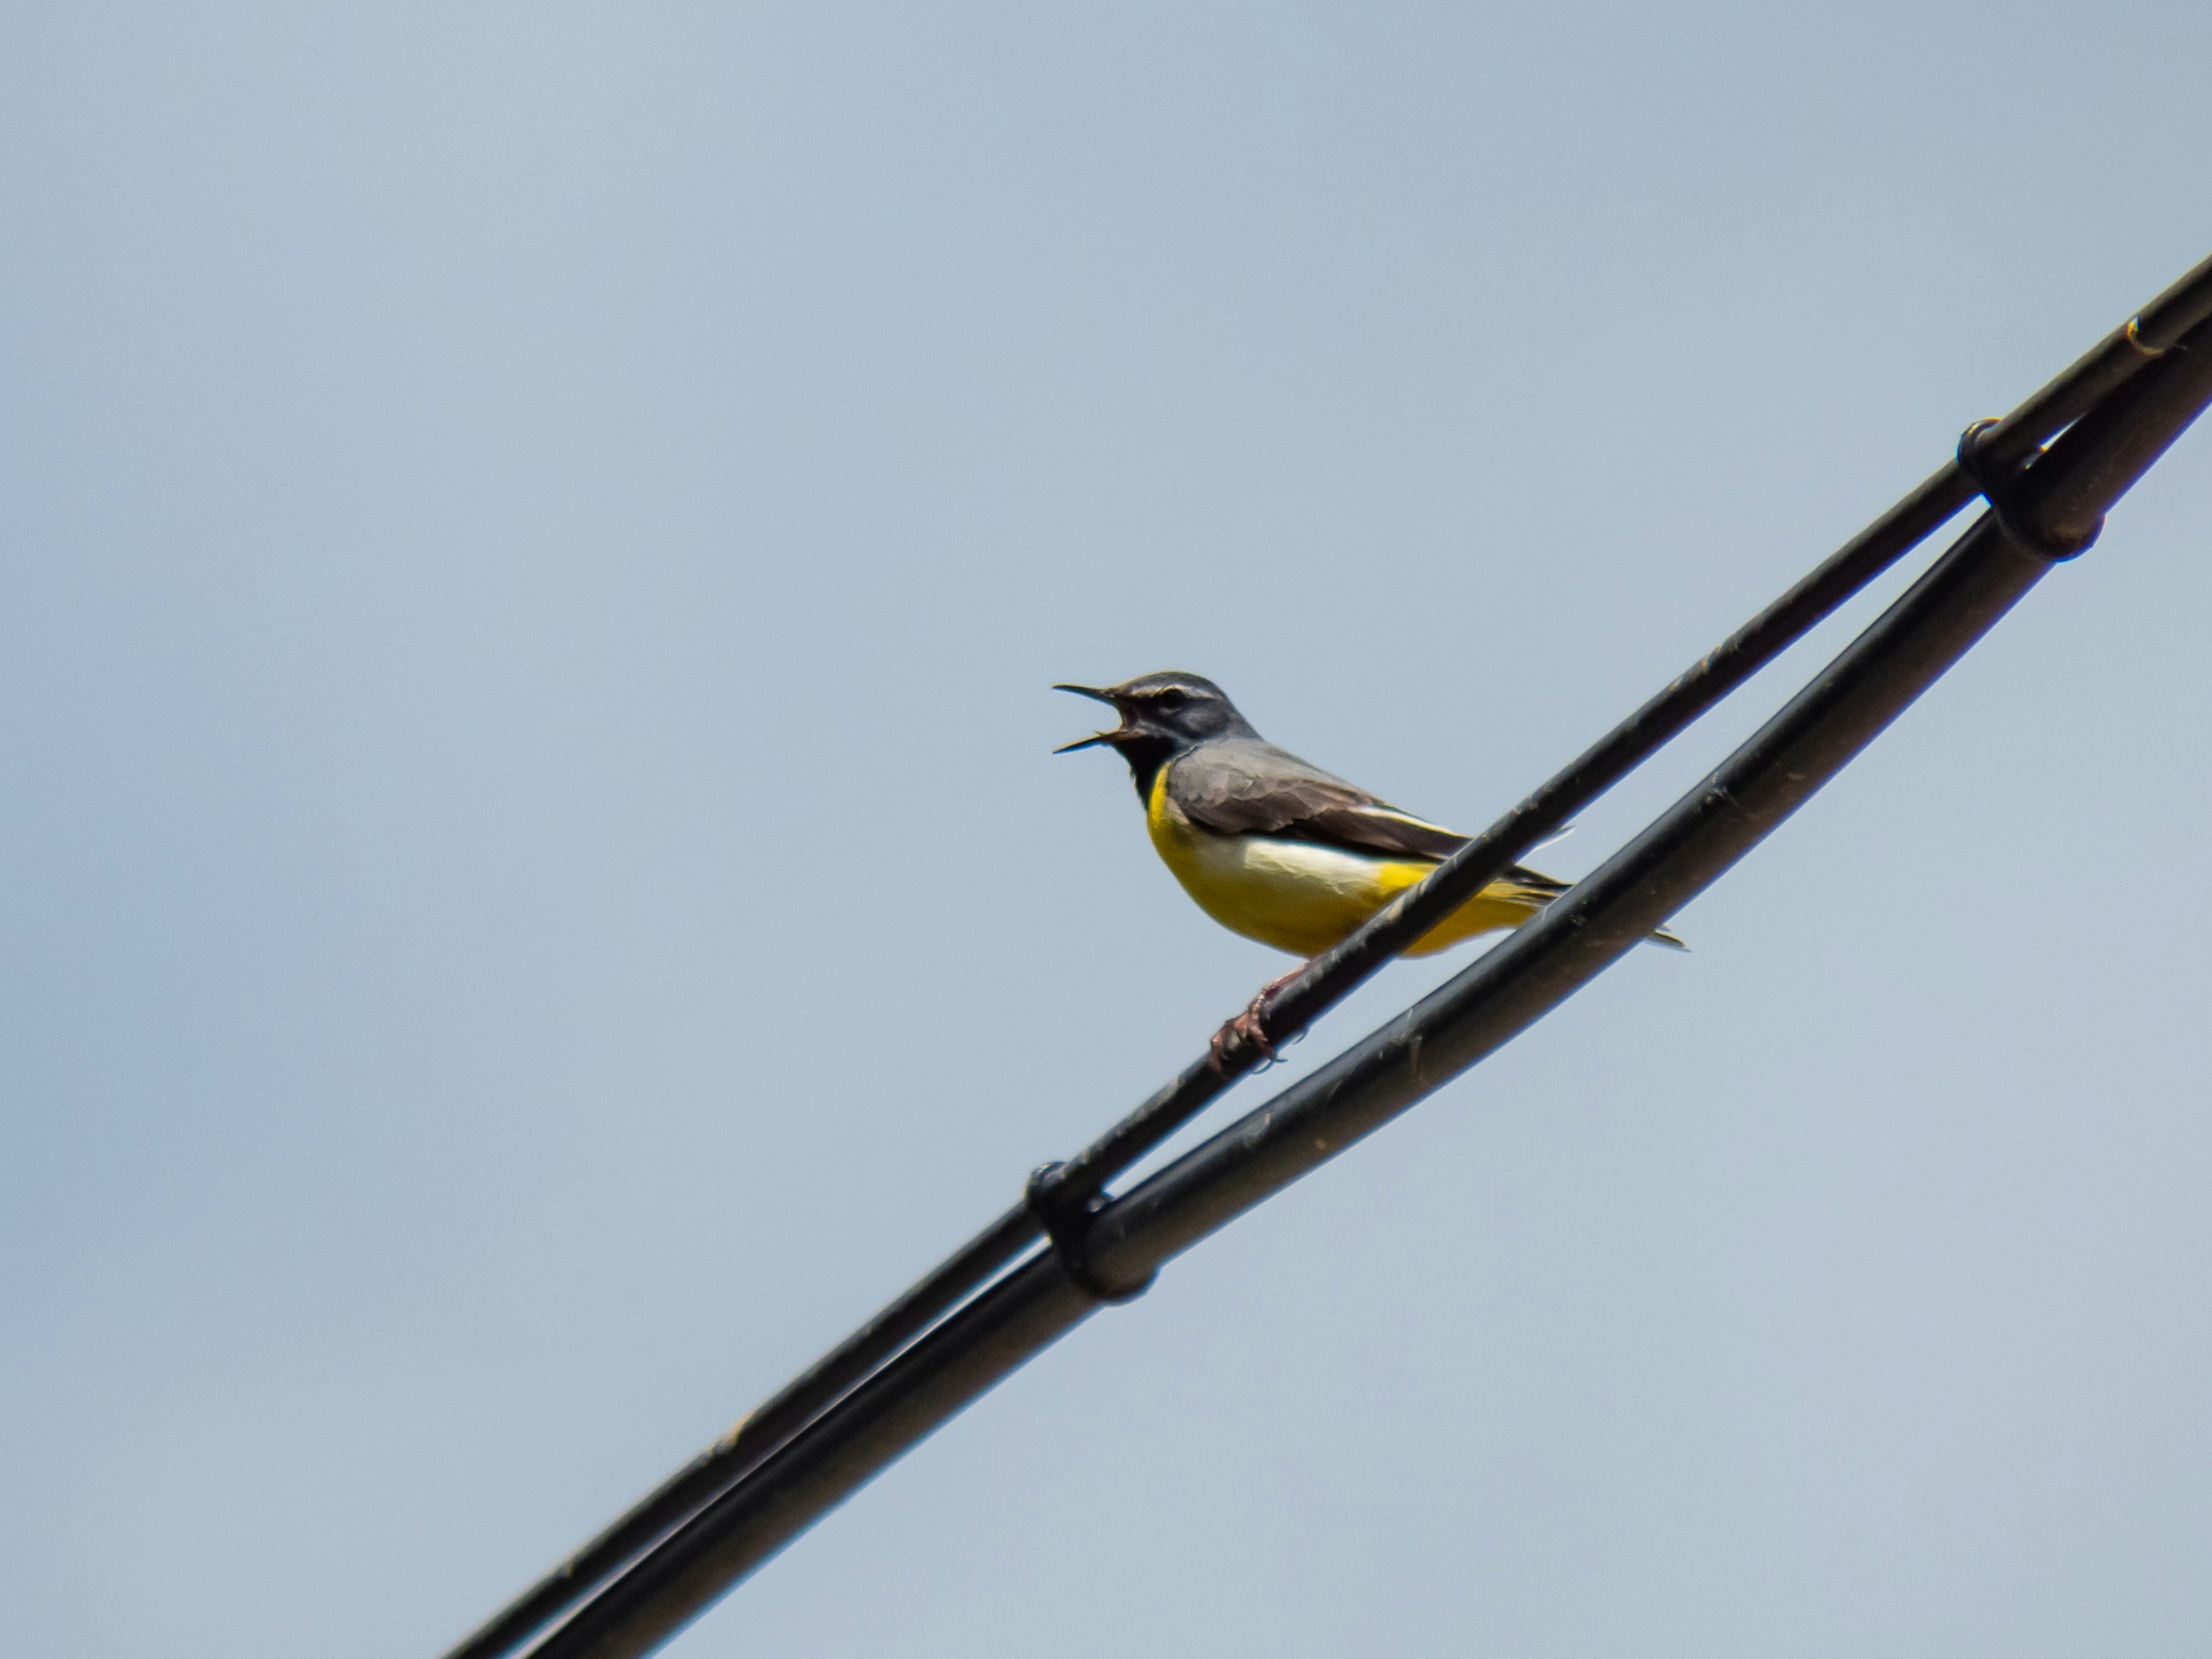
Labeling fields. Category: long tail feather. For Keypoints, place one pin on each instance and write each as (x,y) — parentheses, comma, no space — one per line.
(1535,888)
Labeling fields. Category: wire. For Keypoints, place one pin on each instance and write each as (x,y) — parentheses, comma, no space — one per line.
(2113,412)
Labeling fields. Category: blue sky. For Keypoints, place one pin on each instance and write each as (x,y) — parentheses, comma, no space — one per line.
(536,896)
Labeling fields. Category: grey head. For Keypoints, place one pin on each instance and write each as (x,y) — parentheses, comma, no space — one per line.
(1162,716)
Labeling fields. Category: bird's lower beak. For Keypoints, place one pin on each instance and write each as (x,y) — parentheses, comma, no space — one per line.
(1097,696)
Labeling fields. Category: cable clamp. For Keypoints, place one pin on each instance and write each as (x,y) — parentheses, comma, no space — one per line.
(2000,488)
(1062,1209)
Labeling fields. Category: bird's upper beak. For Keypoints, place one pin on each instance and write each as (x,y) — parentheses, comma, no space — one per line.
(1096,693)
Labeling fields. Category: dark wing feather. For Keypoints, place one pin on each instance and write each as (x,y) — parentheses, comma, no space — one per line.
(1534,883)
(1245,786)
(1238,787)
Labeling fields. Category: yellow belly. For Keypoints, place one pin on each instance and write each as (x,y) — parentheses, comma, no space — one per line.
(1304,898)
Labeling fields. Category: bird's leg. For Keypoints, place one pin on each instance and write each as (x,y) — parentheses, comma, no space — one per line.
(1246,1028)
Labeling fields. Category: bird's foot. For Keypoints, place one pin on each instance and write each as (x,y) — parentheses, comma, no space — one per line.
(1243,1032)
(1249,1029)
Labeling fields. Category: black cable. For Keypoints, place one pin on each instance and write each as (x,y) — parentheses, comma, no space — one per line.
(2061,496)
(1062,1199)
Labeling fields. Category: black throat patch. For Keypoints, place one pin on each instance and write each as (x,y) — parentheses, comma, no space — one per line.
(1145,755)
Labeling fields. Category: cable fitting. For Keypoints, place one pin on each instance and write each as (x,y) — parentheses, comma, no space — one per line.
(2000,488)
(1062,1209)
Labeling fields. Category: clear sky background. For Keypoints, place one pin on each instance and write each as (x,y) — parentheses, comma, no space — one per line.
(535,896)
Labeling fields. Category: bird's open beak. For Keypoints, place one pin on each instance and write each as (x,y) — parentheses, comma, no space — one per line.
(1097,737)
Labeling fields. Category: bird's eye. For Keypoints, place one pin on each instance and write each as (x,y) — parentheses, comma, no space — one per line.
(1168,701)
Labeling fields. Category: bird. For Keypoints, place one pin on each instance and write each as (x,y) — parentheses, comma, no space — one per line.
(1272,847)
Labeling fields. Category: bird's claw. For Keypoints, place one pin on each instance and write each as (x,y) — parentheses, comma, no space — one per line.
(1249,1029)
(1245,1031)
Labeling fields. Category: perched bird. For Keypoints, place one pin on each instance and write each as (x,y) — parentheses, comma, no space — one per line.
(1274,848)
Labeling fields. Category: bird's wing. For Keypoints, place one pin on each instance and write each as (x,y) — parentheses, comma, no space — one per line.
(1239,787)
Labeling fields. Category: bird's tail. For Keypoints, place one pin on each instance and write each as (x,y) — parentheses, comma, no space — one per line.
(1539,889)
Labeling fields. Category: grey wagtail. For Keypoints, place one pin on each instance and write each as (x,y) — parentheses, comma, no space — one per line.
(1274,848)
